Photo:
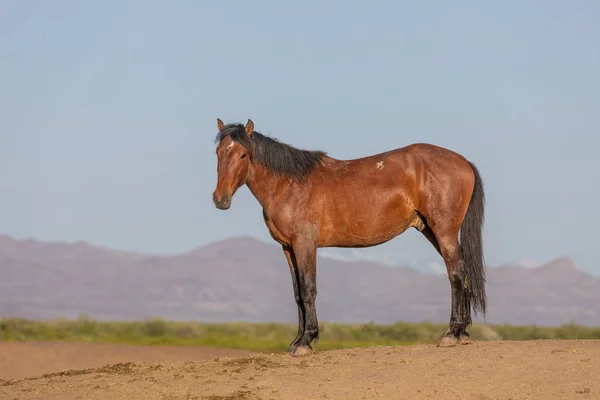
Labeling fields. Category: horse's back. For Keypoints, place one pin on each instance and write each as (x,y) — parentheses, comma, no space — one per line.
(428,152)
(413,159)
(411,150)
(418,173)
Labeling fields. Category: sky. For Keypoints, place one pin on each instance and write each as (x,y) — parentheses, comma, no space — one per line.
(108,113)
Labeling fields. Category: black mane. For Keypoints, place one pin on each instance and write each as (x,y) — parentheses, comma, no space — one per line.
(279,158)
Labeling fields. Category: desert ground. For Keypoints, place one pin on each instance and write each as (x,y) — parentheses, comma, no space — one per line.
(546,369)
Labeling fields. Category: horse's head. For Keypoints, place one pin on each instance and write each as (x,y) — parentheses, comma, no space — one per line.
(233,161)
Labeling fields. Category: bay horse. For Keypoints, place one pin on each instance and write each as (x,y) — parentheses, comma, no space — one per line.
(311,200)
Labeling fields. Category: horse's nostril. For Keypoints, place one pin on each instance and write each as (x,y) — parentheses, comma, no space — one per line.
(222,202)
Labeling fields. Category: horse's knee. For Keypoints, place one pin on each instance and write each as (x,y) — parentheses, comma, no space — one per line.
(309,292)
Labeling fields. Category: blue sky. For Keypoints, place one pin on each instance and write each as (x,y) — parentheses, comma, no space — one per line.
(108,109)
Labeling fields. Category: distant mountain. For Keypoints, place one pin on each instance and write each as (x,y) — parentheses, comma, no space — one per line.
(246,279)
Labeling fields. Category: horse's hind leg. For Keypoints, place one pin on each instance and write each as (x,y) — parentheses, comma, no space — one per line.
(460,316)
(428,233)
(446,243)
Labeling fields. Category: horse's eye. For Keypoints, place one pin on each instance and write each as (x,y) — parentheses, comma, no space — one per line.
(244,155)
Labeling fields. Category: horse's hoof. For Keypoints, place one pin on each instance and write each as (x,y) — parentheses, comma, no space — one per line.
(292,347)
(302,351)
(464,339)
(447,341)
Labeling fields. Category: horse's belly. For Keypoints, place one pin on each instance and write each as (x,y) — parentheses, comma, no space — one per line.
(359,232)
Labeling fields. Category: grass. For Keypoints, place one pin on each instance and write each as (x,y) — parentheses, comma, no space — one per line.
(264,336)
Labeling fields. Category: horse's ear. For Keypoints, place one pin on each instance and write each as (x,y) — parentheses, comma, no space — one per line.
(250,127)
(220,124)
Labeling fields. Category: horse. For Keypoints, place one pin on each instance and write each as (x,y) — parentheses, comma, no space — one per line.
(311,200)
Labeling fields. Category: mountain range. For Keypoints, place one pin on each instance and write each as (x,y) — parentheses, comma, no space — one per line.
(244,279)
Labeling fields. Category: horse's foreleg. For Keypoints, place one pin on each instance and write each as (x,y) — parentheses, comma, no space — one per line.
(305,254)
(291,259)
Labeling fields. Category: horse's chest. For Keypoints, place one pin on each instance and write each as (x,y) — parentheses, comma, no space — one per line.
(279,228)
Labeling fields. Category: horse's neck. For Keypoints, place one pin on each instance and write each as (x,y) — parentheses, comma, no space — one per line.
(262,184)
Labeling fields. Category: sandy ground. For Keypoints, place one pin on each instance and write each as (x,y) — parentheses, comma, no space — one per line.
(29,359)
(492,370)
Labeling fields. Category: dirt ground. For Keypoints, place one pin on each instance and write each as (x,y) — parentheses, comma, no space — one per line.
(486,370)
(30,359)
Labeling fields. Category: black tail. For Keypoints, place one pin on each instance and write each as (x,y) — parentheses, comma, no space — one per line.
(471,246)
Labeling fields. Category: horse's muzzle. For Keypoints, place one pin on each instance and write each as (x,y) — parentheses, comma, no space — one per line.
(223,202)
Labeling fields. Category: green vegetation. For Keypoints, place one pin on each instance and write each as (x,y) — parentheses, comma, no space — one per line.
(267,336)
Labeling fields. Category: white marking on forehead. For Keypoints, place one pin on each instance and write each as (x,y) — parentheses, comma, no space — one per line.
(230,145)
(380,165)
